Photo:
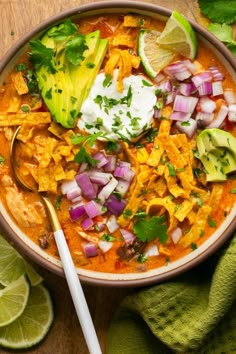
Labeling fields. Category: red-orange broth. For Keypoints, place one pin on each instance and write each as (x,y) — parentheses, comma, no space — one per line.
(17,201)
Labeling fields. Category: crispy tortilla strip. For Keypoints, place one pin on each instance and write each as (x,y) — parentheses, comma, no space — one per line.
(191,217)
(172,184)
(112,62)
(47,153)
(144,175)
(156,203)
(135,21)
(172,152)
(158,185)
(123,39)
(198,226)
(33,118)
(165,124)
(184,209)
(56,129)
(216,195)
(11,101)
(19,83)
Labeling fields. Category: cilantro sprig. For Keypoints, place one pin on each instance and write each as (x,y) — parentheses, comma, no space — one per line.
(150,229)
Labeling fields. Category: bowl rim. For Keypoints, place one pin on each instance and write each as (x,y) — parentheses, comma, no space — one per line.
(77,11)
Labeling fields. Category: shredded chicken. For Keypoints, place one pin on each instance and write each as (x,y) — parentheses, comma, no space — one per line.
(24,213)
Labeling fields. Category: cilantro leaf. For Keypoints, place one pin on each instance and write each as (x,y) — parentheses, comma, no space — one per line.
(150,229)
(75,48)
(61,32)
(41,55)
(219,10)
(224,33)
(83,156)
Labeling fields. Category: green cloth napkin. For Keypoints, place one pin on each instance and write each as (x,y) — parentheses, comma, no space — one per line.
(194,313)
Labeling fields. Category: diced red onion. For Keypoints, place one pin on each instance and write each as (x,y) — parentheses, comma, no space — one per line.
(203,118)
(128,236)
(219,118)
(100,178)
(87,188)
(76,211)
(191,66)
(124,164)
(68,186)
(157,113)
(217,88)
(158,78)
(176,234)
(169,98)
(230,96)
(74,193)
(205,89)
(77,199)
(165,86)
(104,245)
(112,224)
(185,104)
(101,159)
(124,172)
(178,70)
(181,116)
(100,226)
(186,88)
(114,205)
(122,187)
(111,164)
(87,224)
(152,251)
(200,78)
(89,249)
(217,75)
(93,209)
(206,104)
(189,129)
(232,113)
(107,190)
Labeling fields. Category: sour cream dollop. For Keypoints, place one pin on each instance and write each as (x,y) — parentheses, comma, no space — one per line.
(124,114)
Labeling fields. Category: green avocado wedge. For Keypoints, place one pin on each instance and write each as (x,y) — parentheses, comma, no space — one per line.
(217,152)
(66,63)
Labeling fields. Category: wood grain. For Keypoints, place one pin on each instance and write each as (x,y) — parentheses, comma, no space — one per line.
(65,337)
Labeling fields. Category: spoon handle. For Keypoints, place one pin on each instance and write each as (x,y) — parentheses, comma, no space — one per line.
(73,281)
(77,294)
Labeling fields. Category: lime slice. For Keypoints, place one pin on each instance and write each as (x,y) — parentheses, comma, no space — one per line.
(153,57)
(13,266)
(179,36)
(34,323)
(13,300)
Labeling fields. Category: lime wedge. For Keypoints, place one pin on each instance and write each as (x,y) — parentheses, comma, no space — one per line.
(34,323)
(153,57)
(179,36)
(13,300)
(13,266)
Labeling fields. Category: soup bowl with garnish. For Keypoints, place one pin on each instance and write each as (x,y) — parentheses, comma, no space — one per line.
(127,116)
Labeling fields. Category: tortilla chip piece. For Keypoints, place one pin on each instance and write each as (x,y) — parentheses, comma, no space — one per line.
(19,83)
(216,195)
(112,62)
(123,39)
(56,129)
(159,202)
(135,21)
(172,184)
(184,209)
(32,118)
(200,223)
(156,153)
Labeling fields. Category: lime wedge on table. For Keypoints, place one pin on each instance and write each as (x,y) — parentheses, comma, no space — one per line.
(13,300)
(12,265)
(179,36)
(32,326)
(153,57)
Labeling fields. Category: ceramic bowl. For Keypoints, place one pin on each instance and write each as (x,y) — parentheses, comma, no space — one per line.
(32,250)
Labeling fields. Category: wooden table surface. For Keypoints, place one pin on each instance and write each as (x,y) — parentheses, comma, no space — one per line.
(65,336)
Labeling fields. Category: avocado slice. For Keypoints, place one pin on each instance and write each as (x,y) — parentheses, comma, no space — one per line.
(64,84)
(217,152)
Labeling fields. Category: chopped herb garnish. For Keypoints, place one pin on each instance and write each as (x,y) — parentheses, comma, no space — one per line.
(25,108)
(20,67)
(185,124)
(142,258)
(111,146)
(146,83)
(2,160)
(48,94)
(107,81)
(127,213)
(58,202)
(193,246)
(75,48)
(84,156)
(202,233)
(197,172)
(211,222)
(233,191)
(108,238)
(171,170)
(90,65)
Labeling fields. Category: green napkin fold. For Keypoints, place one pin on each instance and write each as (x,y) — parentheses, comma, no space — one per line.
(194,313)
